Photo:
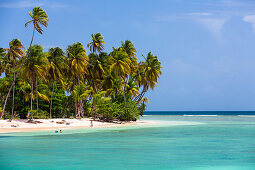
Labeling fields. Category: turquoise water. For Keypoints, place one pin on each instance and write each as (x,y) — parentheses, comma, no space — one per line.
(217,143)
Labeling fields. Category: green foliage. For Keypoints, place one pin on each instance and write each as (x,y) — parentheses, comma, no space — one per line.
(110,111)
(109,86)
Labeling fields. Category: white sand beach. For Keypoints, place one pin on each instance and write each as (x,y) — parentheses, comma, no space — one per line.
(22,125)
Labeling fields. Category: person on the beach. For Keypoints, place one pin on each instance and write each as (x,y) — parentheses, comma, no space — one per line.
(91,121)
(60,131)
(28,114)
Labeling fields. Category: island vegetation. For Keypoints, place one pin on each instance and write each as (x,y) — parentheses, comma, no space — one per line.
(57,83)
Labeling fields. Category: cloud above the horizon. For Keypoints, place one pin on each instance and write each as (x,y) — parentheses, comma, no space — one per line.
(250,19)
(214,25)
(212,22)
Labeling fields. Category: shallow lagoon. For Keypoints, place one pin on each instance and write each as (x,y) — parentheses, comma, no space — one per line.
(210,142)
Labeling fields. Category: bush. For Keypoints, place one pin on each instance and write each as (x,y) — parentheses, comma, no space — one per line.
(110,111)
(41,114)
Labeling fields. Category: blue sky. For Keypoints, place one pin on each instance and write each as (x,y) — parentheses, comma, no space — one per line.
(207,47)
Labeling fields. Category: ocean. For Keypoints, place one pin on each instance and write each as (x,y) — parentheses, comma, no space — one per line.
(208,141)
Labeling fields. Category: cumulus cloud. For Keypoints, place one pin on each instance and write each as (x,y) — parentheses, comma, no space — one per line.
(250,19)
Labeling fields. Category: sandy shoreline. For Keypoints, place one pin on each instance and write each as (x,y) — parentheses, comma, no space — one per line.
(21,125)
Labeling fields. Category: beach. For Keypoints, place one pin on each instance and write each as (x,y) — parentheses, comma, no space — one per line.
(22,125)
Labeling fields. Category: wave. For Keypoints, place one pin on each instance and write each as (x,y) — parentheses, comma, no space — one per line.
(200,115)
(246,115)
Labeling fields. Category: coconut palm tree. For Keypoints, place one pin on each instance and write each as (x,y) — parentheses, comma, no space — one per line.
(98,66)
(97,44)
(150,70)
(14,54)
(132,88)
(77,67)
(120,65)
(39,18)
(130,49)
(35,67)
(81,92)
(57,63)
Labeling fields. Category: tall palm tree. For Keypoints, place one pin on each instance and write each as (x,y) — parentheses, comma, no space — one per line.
(35,67)
(3,61)
(39,18)
(98,66)
(77,67)
(149,71)
(57,63)
(13,55)
(130,49)
(97,44)
(120,65)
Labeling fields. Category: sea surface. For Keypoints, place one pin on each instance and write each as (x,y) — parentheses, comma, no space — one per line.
(197,142)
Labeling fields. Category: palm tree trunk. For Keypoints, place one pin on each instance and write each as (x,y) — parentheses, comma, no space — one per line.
(75,112)
(37,103)
(82,114)
(31,106)
(13,94)
(51,98)
(8,94)
(123,91)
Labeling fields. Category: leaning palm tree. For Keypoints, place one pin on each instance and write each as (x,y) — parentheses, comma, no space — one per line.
(120,65)
(132,88)
(14,53)
(39,18)
(97,44)
(57,63)
(35,67)
(149,71)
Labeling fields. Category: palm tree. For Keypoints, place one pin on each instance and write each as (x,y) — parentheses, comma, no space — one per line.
(98,64)
(14,52)
(148,75)
(56,61)
(77,67)
(81,92)
(132,88)
(130,49)
(39,18)
(120,65)
(98,98)
(97,44)
(35,67)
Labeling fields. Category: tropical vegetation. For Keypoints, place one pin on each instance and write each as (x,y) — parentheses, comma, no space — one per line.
(74,83)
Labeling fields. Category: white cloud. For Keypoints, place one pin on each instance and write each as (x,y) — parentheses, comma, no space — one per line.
(250,19)
(213,22)
(214,25)
(200,14)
